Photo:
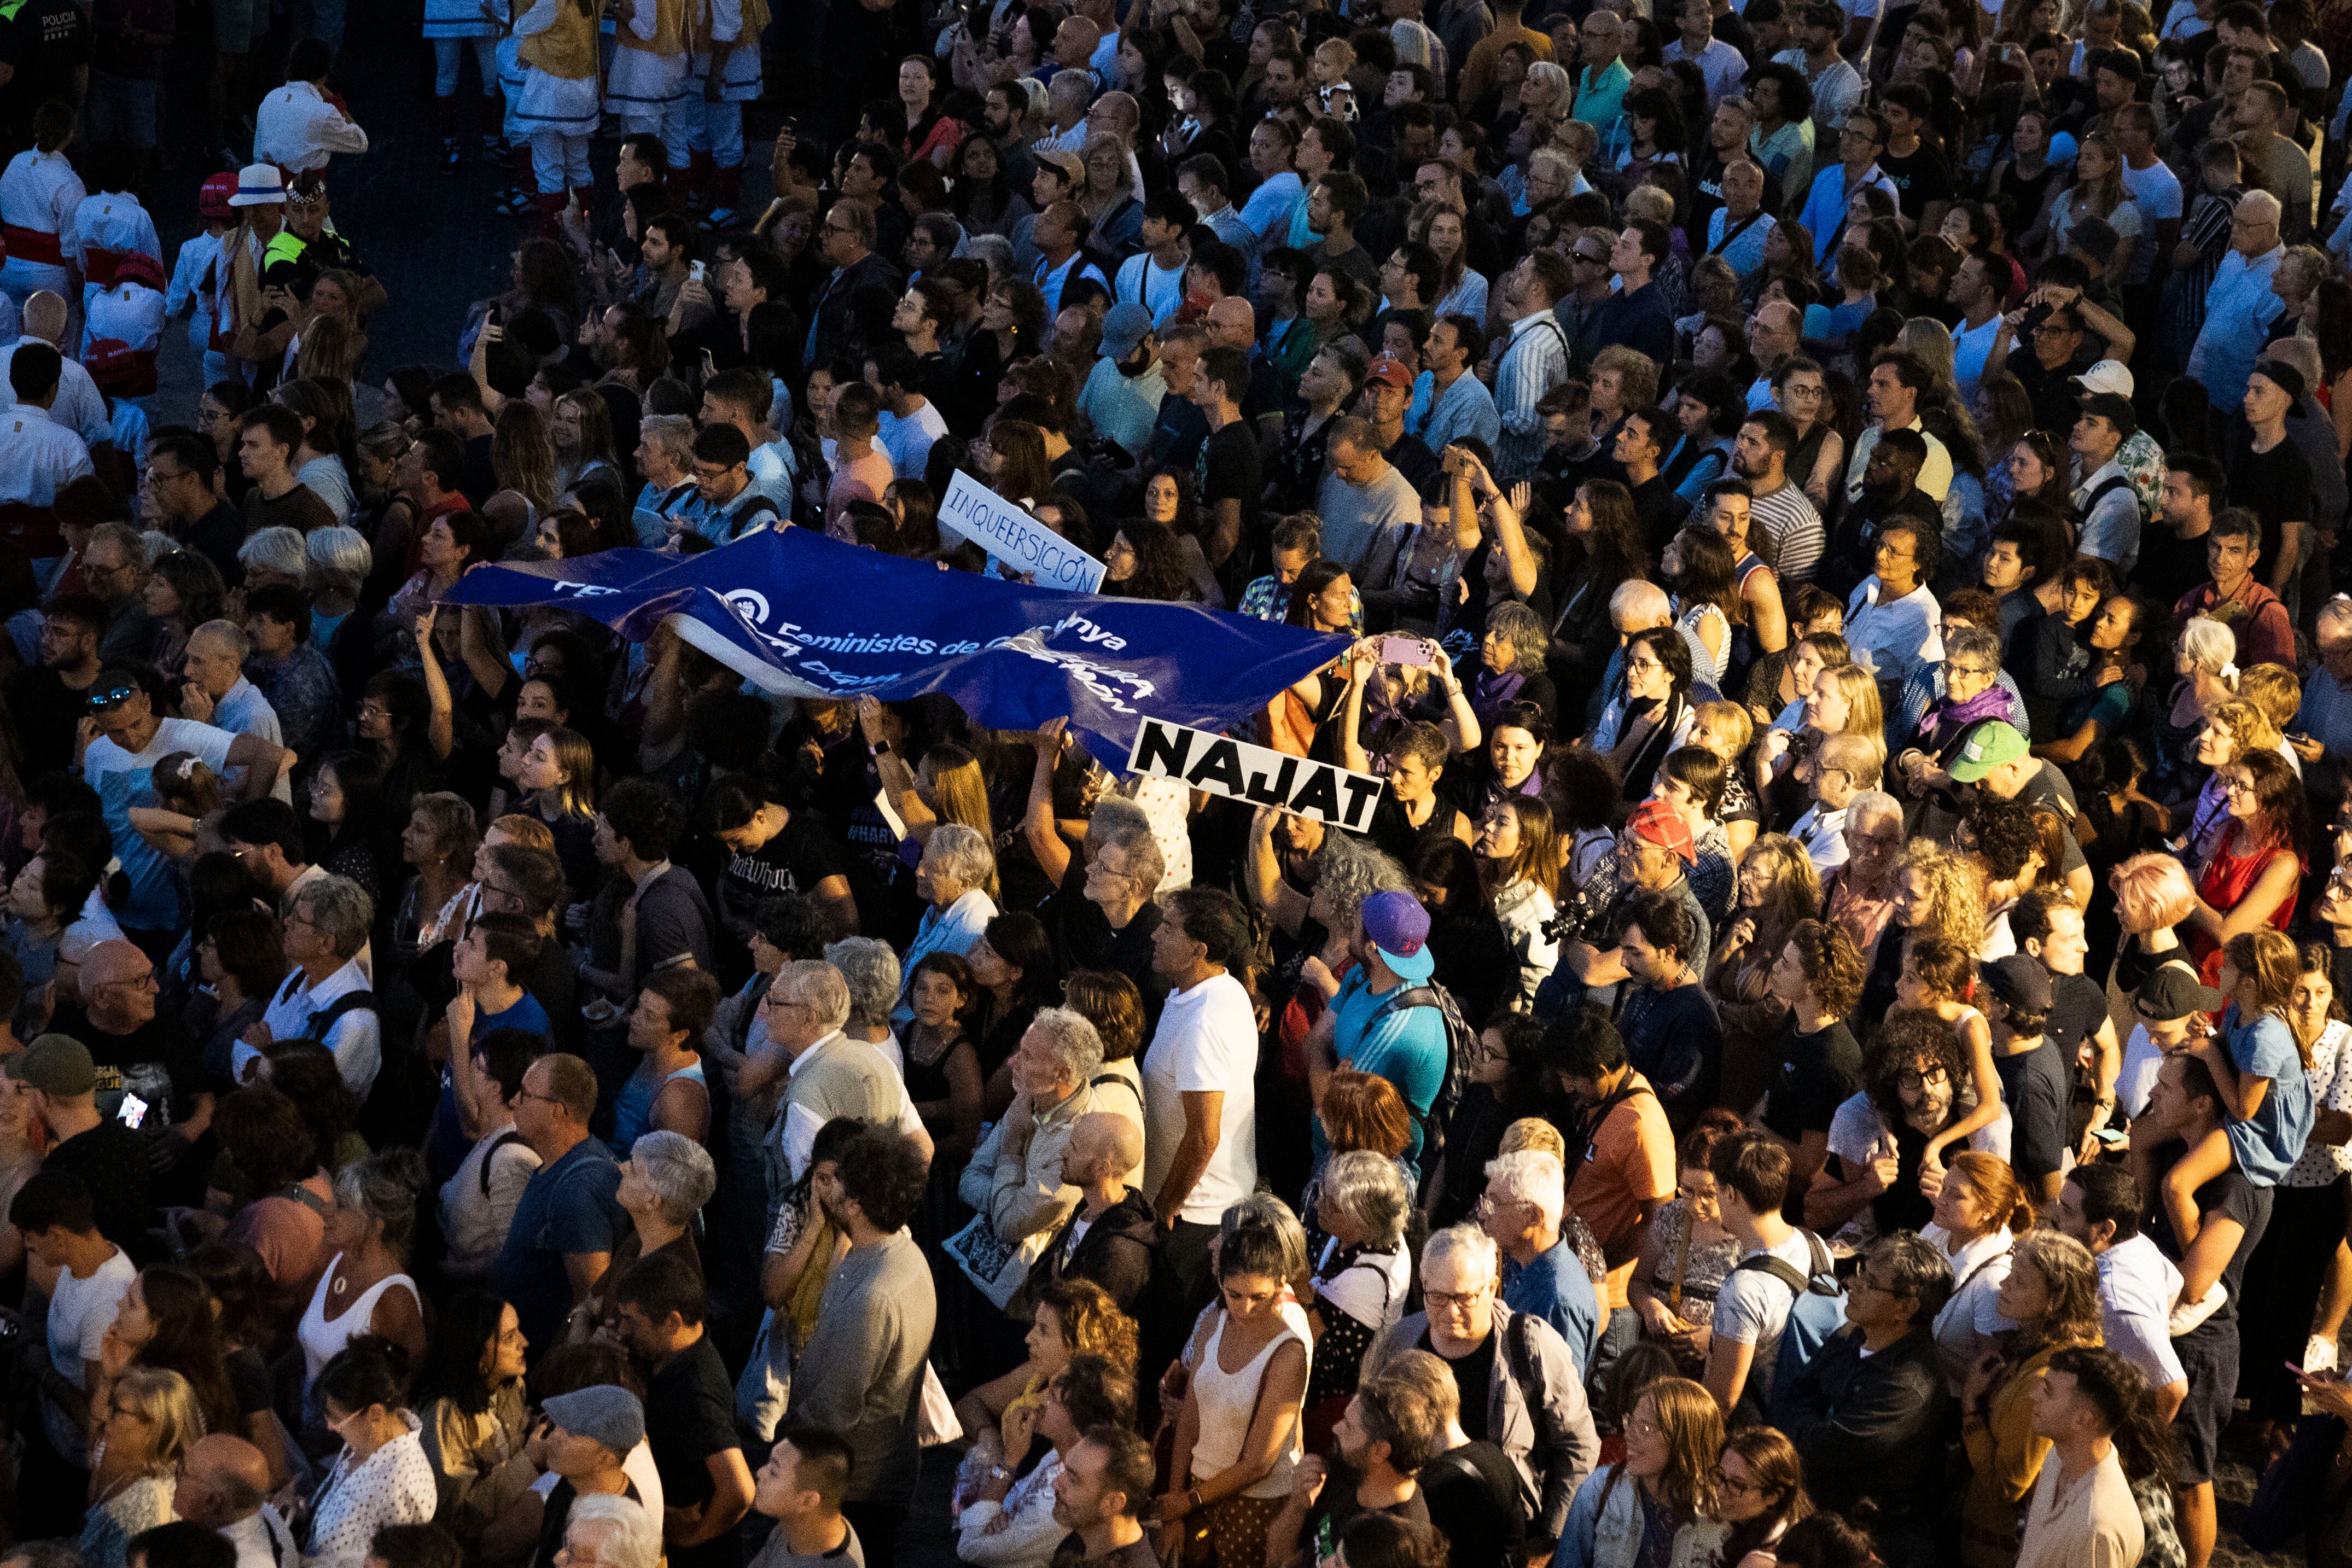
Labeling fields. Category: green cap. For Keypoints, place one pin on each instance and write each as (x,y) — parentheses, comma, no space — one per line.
(55,1064)
(1993,744)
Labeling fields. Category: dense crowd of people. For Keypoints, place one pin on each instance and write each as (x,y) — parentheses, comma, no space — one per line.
(1828,1051)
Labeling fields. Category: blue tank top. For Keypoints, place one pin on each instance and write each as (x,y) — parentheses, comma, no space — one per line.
(632,1113)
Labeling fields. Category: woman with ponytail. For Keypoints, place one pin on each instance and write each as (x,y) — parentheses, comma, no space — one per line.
(1980,1210)
(381,1476)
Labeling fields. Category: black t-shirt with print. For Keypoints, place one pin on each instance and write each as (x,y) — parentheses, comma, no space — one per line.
(803,853)
(1920,177)
(1816,1074)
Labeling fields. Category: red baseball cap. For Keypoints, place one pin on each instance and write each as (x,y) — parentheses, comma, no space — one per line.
(1661,825)
(212,197)
(1388,370)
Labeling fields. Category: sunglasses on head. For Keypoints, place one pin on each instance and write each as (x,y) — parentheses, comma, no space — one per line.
(105,699)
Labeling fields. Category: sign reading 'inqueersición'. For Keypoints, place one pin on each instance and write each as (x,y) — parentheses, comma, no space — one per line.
(1018,541)
(1241,771)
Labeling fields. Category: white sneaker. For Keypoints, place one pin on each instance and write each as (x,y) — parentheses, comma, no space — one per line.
(2319,1355)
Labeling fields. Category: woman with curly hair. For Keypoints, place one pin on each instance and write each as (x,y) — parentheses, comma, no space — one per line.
(1074,1317)
(2052,1294)
(1938,892)
(1144,561)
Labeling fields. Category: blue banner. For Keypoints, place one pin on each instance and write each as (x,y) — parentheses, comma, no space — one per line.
(805,615)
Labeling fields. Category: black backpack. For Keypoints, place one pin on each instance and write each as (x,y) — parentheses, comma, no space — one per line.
(1461,1046)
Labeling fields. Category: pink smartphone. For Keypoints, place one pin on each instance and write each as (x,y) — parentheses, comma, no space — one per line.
(1395,650)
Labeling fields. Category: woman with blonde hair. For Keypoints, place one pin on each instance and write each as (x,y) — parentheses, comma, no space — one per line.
(1843,700)
(2052,1294)
(2233,728)
(1518,859)
(1724,729)
(1939,891)
(1667,1482)
(1777,887)
(150,1423)
(1113,206)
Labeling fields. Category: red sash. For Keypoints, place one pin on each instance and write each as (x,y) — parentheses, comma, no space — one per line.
(33,245)
(119,369)
(32,529)
(101,265)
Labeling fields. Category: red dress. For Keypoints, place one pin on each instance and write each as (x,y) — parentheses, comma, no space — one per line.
(2229,878)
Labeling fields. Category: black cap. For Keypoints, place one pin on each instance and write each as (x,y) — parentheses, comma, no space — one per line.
(2116,410)
(2283,376)
(2020,982)
(2173,991)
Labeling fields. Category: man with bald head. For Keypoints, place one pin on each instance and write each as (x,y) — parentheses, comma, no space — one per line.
(1774,333)
(1232,323)
(224,1485)
(78,408)
(1634,607)
(1111,1236)
(138,1054)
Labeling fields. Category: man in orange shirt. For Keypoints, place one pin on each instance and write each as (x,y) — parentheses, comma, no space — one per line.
(1620,1157)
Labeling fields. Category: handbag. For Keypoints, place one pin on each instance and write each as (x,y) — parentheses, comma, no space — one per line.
(935,1416)
(995,1266)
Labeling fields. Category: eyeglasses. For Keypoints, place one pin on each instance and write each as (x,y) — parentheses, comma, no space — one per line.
(1730,1483)
(107,699)
(1458,1301)
(1922,1079)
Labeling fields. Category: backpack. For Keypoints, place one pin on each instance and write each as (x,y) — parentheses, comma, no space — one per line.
(1818,1311)
(491,1154)
(322,1022)
(1461,1046)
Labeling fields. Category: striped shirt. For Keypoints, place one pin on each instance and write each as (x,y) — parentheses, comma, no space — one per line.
(1786,517)
(1535,362)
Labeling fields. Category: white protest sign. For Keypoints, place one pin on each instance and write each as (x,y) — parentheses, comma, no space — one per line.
(1019,541)
(1241,771)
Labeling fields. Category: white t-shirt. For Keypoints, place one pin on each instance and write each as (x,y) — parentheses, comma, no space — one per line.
(2137,1078)
(79,1314)
(1207,1040)
(908,442)
(1753,1308)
